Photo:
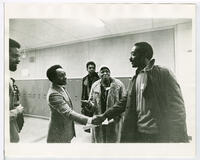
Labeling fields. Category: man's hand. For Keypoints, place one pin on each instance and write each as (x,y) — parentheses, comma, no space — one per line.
(20,109)
(86,104)
(98,119)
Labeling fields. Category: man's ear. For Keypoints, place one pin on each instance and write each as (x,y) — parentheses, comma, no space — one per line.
(146,60)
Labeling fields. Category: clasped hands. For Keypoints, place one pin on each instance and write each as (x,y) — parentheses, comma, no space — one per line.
(96,119)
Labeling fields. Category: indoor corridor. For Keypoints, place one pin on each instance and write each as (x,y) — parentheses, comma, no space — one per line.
(35,131)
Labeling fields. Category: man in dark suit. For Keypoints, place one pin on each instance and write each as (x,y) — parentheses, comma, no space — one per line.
(154,107)
(87,84)
(61,128)
(15,107)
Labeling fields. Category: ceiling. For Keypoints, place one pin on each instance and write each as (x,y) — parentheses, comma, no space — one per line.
(42,33)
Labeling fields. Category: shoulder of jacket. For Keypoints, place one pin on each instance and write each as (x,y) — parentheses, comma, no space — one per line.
(117,81)
(84,77)
(97,75)
(161,69)
(52,90)
(96,83)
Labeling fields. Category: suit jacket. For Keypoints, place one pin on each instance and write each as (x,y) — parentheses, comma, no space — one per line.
(14,129)
(166,104)
(61,127)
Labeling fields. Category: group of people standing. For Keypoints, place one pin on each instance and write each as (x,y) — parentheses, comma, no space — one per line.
(151,110)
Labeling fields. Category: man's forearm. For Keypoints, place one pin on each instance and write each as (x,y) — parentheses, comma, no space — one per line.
(117,109)
(112,112)
(78,117)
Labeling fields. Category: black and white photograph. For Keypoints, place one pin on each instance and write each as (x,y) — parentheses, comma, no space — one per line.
(100,76)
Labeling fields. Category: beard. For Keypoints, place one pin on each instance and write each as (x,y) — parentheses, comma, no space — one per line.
(106,81)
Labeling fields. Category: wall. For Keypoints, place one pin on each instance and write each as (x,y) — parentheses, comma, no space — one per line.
(172,48)
(114,52)
(185,70)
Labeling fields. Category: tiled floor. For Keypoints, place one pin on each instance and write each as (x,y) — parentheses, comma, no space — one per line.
(35,131)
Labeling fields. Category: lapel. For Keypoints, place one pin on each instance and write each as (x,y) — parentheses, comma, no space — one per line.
(97,88)
(85,82)
(97,91)
(62,92)
(131,86)
(67,96)
(111,90)
(11,90)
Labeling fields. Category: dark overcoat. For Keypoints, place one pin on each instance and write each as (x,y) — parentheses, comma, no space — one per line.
(163,95)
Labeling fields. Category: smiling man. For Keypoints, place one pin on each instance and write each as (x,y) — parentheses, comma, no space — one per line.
(154,107)
(61,128)
(105,93)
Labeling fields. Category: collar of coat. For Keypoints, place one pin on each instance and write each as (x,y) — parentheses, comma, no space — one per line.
(114,84)
(61,89)
(149,66)
(58,86)
(94,77)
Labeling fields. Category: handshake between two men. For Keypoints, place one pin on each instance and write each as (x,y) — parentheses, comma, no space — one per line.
(95,119)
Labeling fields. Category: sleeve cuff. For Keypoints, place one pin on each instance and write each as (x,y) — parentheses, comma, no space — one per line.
(89,121)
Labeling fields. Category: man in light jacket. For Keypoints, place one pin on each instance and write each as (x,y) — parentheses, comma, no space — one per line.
(105,93)
(61,128)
